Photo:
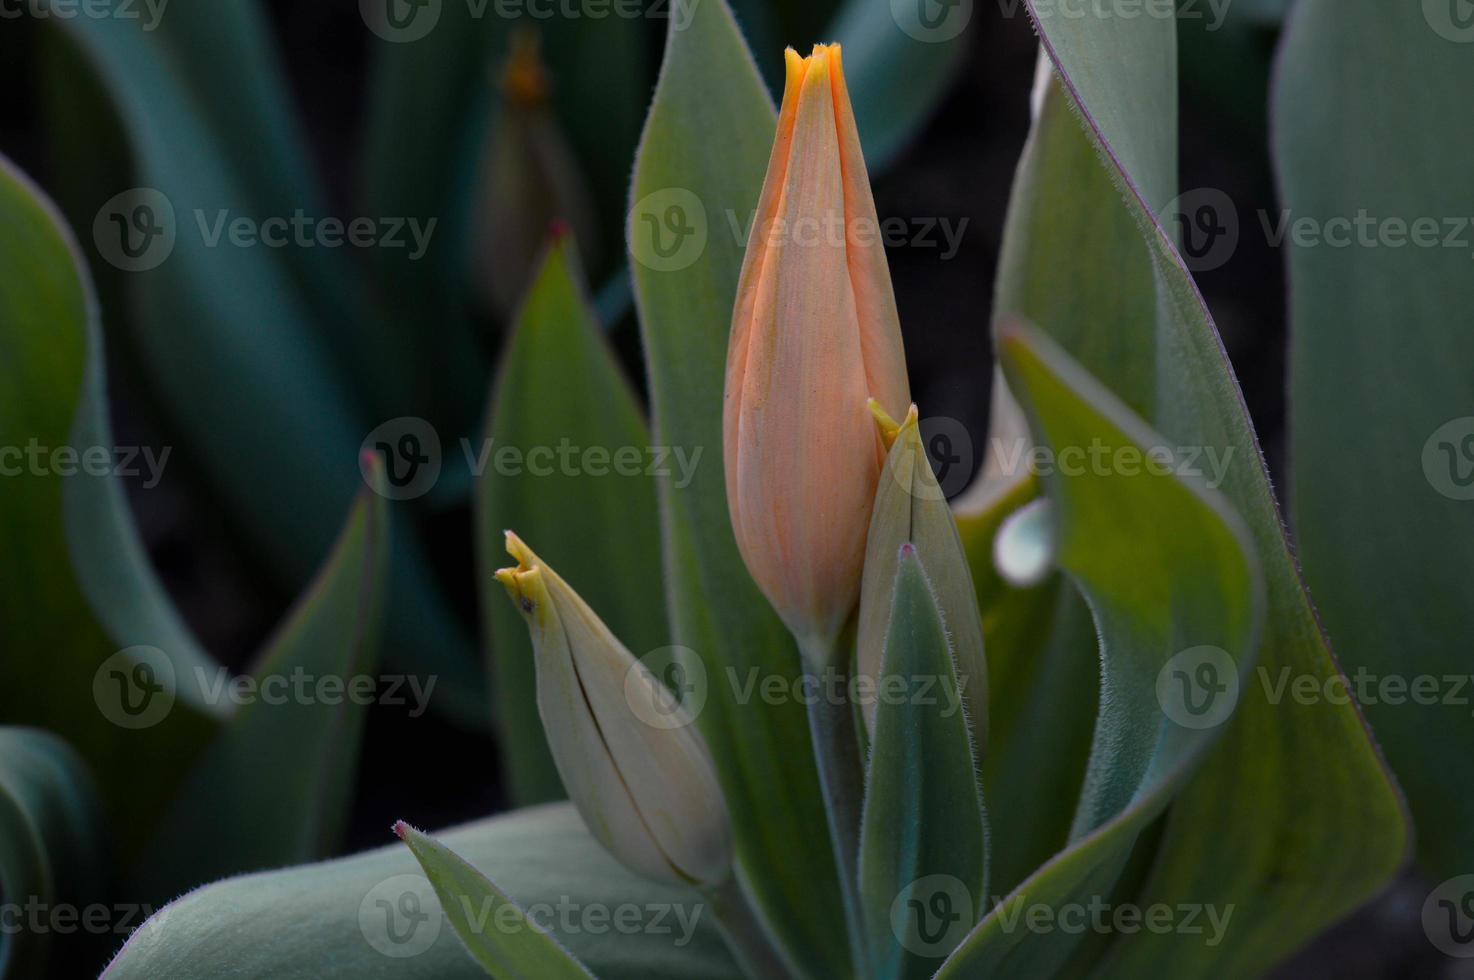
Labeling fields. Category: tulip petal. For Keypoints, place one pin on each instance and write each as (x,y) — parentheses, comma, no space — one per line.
(875,298)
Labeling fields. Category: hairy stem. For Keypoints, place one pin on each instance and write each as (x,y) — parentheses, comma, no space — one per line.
(842,778)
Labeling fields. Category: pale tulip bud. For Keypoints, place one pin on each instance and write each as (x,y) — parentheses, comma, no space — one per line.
(648,792)
(814,332)
(910,508)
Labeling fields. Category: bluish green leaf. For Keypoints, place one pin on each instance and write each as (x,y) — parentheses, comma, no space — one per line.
(375,915)
(1382,395)
(924,829)
(1171,580)
(704,154)
(512,947)
(591,510)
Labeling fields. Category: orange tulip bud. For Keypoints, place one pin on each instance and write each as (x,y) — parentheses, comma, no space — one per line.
(814,335)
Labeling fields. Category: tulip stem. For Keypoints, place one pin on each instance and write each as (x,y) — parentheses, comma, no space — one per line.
(746,937)
(842,779)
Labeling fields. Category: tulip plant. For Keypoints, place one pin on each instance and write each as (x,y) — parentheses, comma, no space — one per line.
(786,713)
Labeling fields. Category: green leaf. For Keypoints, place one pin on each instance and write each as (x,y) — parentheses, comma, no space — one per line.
(375,915)
(51,398)
(1170,577)
(899,62)
(247,365)
(1119,74)
(591,515)
(514,946)
(52,849)
(924,820)
(705,152)
(1044,684)
(1382,394)
(276,785)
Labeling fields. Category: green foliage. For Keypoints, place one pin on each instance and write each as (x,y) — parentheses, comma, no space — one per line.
(1381,390)
(1137,620)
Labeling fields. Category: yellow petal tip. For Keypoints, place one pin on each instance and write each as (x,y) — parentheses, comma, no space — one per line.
(523,582)
(889,428)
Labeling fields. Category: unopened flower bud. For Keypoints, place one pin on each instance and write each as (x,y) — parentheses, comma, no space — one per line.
(648,793)
(814,332)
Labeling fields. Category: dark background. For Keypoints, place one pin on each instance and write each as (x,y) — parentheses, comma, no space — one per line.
(959,167)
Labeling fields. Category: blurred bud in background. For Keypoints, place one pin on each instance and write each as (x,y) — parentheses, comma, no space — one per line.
(529,181)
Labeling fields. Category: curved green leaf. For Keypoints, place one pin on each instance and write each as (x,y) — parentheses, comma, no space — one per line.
(1381,387)
(375,915)
(242,354)
(50,398)
(924,817)
(592,511)
(1171,580)
(515,946)
(1044,683)
(710,86)
(1119,73)
(275,786)
(52,849)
